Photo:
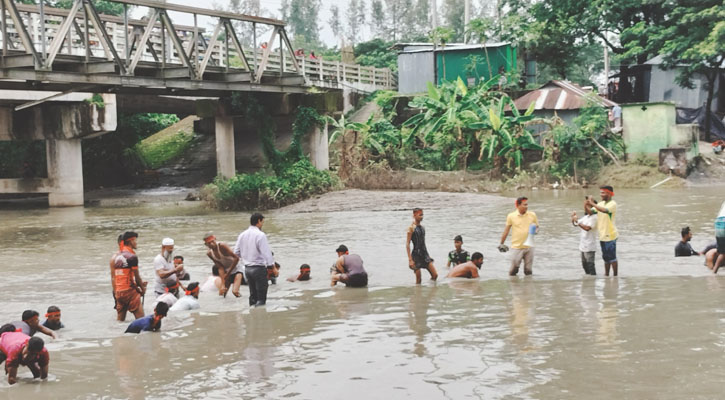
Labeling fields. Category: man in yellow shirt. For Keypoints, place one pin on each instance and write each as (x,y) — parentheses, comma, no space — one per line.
(606,213)
(520,220)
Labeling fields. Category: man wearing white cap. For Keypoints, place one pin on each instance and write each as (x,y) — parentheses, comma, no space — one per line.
(166,280)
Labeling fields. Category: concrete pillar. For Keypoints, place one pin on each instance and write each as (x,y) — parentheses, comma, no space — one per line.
(65,172)
(319,149)
(224,129)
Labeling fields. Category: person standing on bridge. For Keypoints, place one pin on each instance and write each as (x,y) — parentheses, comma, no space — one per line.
(253,248)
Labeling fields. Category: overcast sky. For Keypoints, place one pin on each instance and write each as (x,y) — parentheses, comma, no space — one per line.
(271,6)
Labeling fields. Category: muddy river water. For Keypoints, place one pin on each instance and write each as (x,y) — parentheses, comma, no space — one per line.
(656,331)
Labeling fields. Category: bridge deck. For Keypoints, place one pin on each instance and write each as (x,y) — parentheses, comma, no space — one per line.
(46,48)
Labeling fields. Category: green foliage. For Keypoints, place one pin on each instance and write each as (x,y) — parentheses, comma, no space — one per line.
(305,120)
(293,176)
(296,182)
(576,149)
(455,119)
(22,159)
(156,153)
(103,6)
(96,100)
(376,53)
(111,159)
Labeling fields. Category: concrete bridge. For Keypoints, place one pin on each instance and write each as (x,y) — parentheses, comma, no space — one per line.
(53,60)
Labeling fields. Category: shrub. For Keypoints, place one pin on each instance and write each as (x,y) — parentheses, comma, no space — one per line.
(259,191)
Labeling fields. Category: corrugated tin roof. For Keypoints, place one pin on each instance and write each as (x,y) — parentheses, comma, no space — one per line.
(418,47)
(559,95)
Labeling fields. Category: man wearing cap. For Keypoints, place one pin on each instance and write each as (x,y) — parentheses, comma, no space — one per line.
(349,269)
(128,285)
(190,301)
(252,247)
(519,223)
(457,255)
(606,212)
(166,271)
(227,264)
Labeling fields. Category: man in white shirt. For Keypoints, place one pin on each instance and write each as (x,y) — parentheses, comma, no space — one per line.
(587,237)
(253,249)
(166,270)
(188,302)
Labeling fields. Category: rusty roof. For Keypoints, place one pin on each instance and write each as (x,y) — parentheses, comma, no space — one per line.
(560,95)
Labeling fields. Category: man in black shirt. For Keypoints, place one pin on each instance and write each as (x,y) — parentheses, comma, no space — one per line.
(683,248)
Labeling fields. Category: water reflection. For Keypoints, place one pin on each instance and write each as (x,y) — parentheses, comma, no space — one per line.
(608,316)
(418,316)
(522,293)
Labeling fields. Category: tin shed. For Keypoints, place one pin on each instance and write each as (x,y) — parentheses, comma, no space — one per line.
(420,63)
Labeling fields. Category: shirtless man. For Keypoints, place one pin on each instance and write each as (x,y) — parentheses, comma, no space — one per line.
(227,263)
(418,258)
(468,269)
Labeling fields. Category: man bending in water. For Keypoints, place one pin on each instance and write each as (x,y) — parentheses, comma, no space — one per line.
(227,264)
(20,349)
(469,269)
(418,258)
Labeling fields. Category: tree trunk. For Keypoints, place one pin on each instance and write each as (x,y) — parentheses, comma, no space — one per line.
(708,104)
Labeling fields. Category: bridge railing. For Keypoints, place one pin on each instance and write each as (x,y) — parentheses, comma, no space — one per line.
(50,39)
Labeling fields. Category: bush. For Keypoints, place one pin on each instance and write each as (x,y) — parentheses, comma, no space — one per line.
(23,159)
(158,152)
(110,159)
(297,182)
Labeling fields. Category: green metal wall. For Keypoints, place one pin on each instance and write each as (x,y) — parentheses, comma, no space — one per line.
(456,62)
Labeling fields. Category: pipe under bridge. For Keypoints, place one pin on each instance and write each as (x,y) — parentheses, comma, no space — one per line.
(53,60)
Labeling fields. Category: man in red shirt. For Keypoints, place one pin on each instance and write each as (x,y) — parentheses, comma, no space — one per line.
(20,349)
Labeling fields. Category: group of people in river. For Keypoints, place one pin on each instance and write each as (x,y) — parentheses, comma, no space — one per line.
(251,262)
(714,252)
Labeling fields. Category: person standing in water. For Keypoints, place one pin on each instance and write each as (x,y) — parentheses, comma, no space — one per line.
(606,216)
(519,223)
(587,237)
(252,247)
(418,258)
(129,287)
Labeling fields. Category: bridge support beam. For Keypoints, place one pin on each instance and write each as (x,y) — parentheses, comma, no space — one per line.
(224,130)
(319,148)
(65,172)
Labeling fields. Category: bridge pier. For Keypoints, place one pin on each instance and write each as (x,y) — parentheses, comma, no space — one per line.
(224,131)
(65,172)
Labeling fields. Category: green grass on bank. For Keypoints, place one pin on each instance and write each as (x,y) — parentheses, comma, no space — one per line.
(166,145)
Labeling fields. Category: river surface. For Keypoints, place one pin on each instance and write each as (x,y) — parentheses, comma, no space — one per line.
(656,331)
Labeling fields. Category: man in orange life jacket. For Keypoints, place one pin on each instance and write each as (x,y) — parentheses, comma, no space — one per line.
(128,285)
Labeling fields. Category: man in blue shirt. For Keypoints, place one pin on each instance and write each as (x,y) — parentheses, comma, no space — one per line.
(150,322)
